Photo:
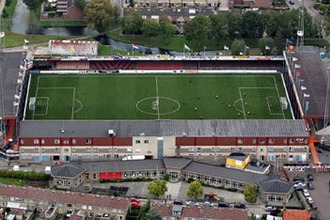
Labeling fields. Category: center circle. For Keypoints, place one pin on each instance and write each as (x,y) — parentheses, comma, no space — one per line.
(158,105)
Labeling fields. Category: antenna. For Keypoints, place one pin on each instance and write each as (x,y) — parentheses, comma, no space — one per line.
(301,28)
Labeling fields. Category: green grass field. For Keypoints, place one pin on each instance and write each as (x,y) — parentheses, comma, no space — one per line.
(162,96)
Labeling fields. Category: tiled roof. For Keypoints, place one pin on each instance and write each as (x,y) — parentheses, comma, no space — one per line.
(38,194)
(205,212)
(290,214)
(164,128)
(226,173)
(67,170)
(164,210)
(172,162)
(115,166)
(275,186)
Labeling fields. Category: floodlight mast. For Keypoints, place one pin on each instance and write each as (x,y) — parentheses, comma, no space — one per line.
(326,117)
(301,28)
(2,110)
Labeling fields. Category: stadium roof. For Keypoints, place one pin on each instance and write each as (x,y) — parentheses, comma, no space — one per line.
(315,80)
(8,79)
(162,128)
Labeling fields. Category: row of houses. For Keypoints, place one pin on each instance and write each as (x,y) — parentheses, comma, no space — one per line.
(50,141)
(70,176)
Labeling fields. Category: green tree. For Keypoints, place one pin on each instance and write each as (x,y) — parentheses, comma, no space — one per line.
(238,46)
(80,4)
(150,28)
(153,215)
(33,4)
(167,29)
(132,23)
(234,25)
(252,25)
(157,188)
(219,27)
(197,30)
(144,210)
(266,45)
(271,21)
(195,190)
(250,193)
(97,14)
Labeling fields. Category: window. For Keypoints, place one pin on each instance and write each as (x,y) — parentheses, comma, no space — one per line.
(57,141)
(36,141)
(270,149)
(262,141)
(66,142)
(42,141)
(291,141)
(74,141)
(271,141)
(146,141)
(254,141)
(94,176)
(22,141)
(88,141)
(137,141)
(285,141)
(239,141)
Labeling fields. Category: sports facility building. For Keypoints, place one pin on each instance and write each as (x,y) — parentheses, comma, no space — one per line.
(205,108)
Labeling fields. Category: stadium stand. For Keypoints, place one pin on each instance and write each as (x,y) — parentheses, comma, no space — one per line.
(63,65)
(75,48)
(159,65)
(112,65)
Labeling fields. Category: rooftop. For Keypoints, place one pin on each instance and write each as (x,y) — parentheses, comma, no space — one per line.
(290,214)
(275,186)
(193,128)
(38,194)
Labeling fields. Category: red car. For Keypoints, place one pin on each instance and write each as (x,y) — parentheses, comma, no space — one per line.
(135,205)
(135,200)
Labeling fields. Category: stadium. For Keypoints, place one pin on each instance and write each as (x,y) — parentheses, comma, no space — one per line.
(70,106)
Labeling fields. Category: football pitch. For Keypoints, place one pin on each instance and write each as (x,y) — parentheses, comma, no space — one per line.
(156,96)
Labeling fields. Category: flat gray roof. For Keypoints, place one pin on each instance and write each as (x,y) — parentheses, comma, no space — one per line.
(159,128)
(314,79)
(8,78)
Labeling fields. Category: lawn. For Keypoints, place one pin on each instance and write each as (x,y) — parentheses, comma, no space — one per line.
(160,96)
(12,181)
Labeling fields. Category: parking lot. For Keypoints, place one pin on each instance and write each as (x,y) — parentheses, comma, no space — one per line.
(321,194)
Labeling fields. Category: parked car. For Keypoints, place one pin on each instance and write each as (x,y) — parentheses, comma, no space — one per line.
(306,193)
(269,208)
(223,204)
(299,185)
(309,200)
(239,206)
(208,204)
(310,185)
(313,206)
(135,200)
(298,178)
(192,203)
(310,177)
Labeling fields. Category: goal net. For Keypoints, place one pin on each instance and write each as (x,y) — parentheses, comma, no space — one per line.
(32,103)
(284,103)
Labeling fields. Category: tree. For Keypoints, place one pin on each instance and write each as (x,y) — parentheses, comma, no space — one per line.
(80,4)
(166,29)
(250,193)
(97,14)
(195,190)
(153,215)
(238,46)
(265,45)
(144,210)
(252,25)
(219,27)
(271,21)
(157,188)
(150,28)
(197,30)
(33,4)
(132,23)
(234,25)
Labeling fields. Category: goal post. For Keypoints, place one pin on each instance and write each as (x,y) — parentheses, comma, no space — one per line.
(32,103)
(284,103)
